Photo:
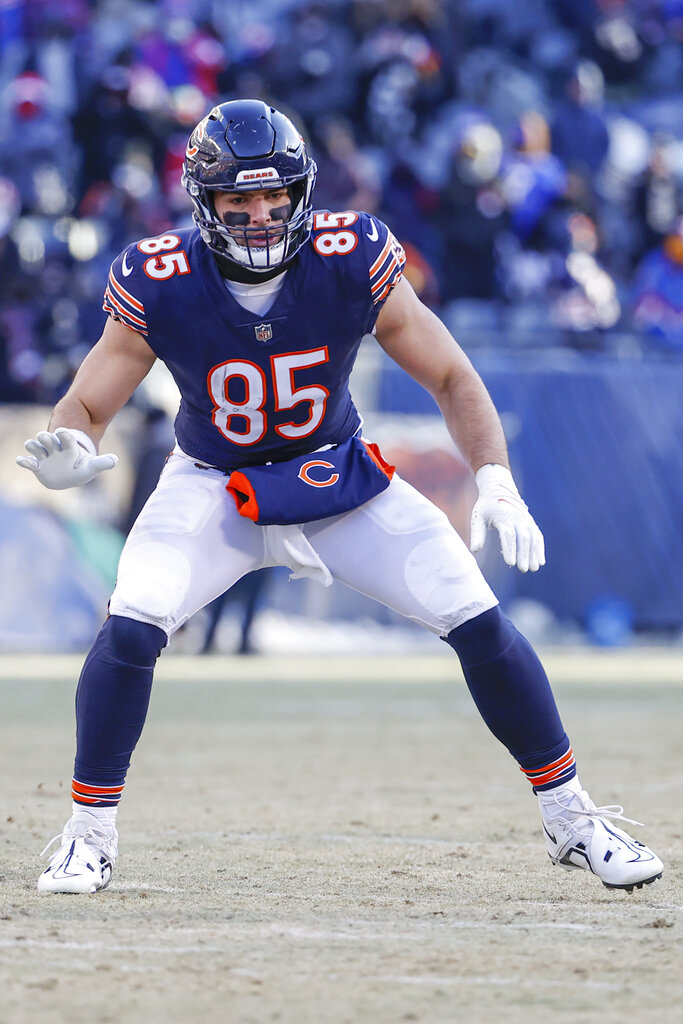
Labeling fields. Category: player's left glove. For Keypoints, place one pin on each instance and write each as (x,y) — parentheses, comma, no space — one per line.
(67,458)
(500,505)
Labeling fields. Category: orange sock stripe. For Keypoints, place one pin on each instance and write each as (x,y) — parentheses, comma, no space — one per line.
(95,790)
(551,772)
(542,780)
(569,756)
(82,793)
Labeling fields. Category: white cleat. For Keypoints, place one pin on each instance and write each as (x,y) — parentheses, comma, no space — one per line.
(580,835)
(85,859)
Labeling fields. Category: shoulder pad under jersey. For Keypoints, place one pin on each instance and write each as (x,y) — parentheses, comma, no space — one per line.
(376,251)
(134,274)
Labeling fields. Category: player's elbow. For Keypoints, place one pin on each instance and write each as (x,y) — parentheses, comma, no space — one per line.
(450,382)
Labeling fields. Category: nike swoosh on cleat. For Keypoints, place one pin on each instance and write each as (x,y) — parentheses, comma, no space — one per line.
(61,871)
(550,836)
(125,269)
(373,235)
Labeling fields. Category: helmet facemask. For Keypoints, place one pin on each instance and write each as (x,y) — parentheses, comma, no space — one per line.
(256,247)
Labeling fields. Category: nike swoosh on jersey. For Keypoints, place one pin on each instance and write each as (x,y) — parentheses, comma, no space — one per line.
(126,270)
(373,234)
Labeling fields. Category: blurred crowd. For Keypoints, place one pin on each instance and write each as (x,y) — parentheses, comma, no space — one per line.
(527,153)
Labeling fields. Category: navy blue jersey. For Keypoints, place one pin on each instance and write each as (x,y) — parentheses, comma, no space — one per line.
(254,388)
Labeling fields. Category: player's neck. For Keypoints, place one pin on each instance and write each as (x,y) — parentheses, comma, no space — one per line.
(242,275)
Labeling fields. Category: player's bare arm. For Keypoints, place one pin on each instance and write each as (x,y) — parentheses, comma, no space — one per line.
(65,455)
(106,379)
(417,340)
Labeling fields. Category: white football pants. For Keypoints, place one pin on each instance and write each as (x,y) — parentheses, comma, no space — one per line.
(189,544)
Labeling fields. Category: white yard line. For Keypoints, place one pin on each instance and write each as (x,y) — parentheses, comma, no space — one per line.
(280,929)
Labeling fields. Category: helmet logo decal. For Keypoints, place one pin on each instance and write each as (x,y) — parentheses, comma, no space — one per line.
(260,174)
(193,150)
(263,332)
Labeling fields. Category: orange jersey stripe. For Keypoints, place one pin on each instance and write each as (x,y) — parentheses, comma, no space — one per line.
(394,265)
(383,255)
(392,283)
(124,294)
(396,256)
(124,312)
(119,318)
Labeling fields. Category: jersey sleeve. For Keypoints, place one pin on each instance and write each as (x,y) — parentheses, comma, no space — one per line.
(386,259)
(120,300)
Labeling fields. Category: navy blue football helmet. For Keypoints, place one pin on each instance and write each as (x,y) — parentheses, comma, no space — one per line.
(240,146)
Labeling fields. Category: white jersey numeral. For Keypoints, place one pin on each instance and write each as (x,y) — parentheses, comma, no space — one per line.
(287,396)
(334,220)
(151,246)
(160,268)
(330,243)
(249,411)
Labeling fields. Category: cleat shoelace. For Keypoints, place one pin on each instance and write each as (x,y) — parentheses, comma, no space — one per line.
(589,810)
(101,838)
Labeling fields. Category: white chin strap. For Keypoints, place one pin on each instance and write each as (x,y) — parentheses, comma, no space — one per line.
(264,258)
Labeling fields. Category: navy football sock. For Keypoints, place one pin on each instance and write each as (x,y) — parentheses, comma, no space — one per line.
(111,707)
(513,695)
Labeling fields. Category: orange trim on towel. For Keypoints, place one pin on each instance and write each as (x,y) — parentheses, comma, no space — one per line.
(244,495)
(375,454)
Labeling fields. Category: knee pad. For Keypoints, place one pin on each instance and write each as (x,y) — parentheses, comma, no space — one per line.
(153,584)
(132,642)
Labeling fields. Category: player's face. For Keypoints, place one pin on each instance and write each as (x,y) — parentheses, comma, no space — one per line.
(253,210)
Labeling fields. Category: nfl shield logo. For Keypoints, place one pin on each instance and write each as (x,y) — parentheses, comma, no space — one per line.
(263,332)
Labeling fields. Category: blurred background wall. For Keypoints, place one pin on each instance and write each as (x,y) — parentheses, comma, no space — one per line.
(529,156)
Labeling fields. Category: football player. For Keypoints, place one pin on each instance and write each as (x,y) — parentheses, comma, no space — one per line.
(258,312)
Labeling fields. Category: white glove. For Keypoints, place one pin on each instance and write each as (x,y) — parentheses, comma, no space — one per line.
(64,459)
(500,505)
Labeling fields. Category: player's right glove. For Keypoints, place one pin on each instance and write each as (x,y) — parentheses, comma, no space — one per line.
(64,459)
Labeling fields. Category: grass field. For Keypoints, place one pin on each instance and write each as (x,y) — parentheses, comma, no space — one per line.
(340,842)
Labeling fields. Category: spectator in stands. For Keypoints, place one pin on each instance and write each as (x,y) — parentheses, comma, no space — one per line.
(579,134)
(657,293)
(471,211)
(657,197)
(533,180)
